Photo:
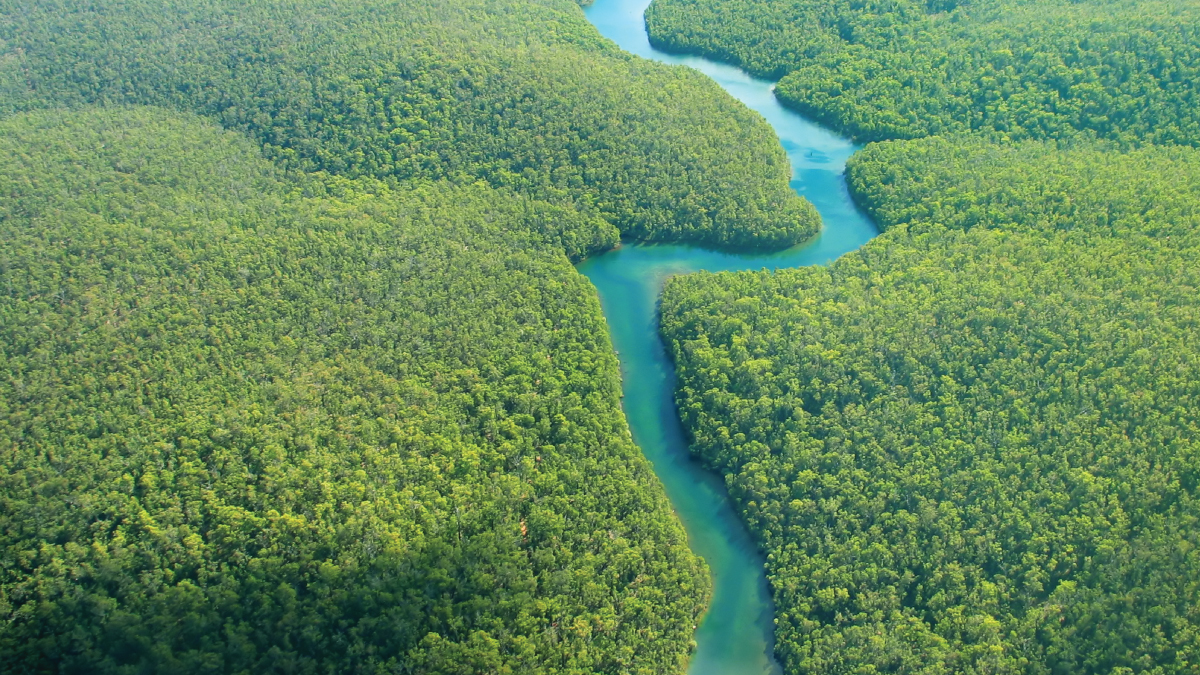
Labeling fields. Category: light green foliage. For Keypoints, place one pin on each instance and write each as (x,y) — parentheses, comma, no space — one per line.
(1127,70)
(254,425)
(971,447)
(522,94)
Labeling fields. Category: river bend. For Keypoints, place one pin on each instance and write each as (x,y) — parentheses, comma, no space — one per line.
(735,637)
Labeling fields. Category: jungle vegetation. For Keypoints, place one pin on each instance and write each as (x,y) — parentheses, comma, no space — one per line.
(1124,70)
(971,446)
(258,424)
(303,414)
(297,374)
(521,94)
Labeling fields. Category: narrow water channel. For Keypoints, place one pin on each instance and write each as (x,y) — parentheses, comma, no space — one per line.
(735,637)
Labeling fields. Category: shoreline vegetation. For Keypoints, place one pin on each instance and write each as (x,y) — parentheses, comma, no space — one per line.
(298,374)
(969,446)
(1118,70)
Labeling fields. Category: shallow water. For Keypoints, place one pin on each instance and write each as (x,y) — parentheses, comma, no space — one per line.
(735,637)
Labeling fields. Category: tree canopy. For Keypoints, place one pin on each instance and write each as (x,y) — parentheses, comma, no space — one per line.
(970,447)
(297,376)
(255,424)
(522,94)
(1125,70)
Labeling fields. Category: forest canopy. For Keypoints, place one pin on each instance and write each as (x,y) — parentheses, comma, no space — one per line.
(521,94)
(255,425)
(1124,70)
(297,374)
(972,445)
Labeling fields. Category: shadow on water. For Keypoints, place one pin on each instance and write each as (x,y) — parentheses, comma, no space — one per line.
(735,637)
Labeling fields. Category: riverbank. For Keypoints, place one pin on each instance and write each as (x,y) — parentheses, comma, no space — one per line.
(736,635)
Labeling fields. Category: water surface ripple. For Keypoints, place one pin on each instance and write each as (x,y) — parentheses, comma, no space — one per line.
(735,637)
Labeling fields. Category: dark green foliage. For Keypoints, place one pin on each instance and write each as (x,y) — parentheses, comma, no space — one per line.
(524,95)
(1127,70)
(250,425)
(971,447)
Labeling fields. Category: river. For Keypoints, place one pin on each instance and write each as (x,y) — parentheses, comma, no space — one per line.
(735,637)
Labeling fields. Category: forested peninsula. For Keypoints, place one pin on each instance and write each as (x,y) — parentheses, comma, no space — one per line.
(248,428)
(520,94)
(973,445)
(297,374)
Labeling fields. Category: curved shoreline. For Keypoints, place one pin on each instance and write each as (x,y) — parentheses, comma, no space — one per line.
(736,633)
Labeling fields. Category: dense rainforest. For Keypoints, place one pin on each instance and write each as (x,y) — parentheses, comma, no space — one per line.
(971,446)
(252,425)
(1124,70)
(297,374)
(522,94)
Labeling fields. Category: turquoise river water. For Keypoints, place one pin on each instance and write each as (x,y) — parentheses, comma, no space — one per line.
(735,637)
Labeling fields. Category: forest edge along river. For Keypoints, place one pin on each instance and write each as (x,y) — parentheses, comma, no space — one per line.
(736,635)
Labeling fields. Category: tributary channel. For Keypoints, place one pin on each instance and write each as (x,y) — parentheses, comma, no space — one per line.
(735,637)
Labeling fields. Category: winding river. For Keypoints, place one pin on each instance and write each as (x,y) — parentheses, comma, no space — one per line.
(735,637)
